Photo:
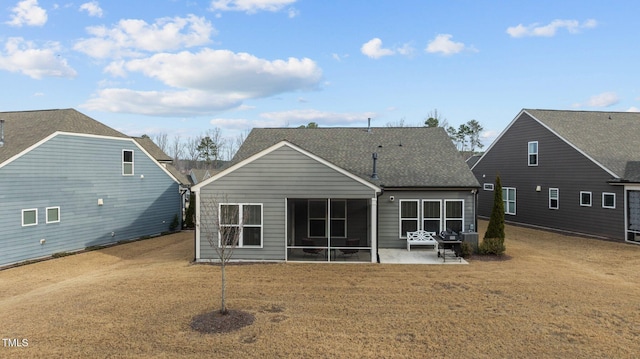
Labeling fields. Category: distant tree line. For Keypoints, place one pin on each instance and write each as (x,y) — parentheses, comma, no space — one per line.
(208,150)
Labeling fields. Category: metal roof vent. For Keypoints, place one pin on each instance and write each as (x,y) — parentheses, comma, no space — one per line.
(374,175)
(1,133)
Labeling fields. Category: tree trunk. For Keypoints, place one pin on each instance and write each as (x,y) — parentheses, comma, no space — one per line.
(223,306)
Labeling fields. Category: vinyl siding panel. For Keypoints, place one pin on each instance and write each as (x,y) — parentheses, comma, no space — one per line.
(559,166)
(73,172)
(270,180)
(389,212)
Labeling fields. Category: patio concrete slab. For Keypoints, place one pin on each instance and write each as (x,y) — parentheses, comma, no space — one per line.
(417,256)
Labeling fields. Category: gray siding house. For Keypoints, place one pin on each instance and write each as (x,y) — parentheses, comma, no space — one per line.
(68,182)
(573,171)
(322,194)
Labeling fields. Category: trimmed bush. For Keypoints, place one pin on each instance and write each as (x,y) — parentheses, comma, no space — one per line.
(175,223)
(466,250)
(492,246)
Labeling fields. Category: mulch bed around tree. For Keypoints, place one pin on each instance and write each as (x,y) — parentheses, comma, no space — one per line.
(216,322)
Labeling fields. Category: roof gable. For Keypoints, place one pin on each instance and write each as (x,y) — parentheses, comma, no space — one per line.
(610,139)
(27,128)
(273,148)
(406,157)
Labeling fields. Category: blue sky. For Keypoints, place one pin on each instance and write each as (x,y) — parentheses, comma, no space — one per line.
(184,67)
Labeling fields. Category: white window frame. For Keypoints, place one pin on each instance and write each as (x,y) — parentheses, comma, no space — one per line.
(444,214)
(401,219)
(582,203)
(614,200)
(423,218)
(488,186)
(556,198)
(47,215)
(126,163)
(242,225)
(505,200)
(532,153)
(29,210)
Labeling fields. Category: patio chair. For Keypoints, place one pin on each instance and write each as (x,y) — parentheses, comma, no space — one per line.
(306,242)
(349,252)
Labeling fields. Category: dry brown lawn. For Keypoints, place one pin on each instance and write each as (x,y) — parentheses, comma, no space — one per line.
(557,297)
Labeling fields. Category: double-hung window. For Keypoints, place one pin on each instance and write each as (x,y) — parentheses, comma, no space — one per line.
(554,198)
(431,216)
(454,214)
(409,216)
(241,225)
(509,200)
(127,163)
(338,218)
(533,153)
(318,218)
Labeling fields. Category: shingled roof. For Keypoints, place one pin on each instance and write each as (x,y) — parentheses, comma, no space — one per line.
(418,157)
(26,128)
(612,139)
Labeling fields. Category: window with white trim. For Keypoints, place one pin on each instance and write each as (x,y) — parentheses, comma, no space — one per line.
(454,214)
(317,210)
(127,163)
(554,198)
(533,153)
(431,215)
(585,199)
(488,187)
(509,200)
(409,216)
(53,215)
(338,213)
(608,200)
(241,223)
(29,217)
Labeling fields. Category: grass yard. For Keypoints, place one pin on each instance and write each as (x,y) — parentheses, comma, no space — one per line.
(557,297)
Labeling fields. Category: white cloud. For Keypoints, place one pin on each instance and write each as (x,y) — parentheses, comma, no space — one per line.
(252,6)
(322,118)
(160,103)
(92,8)
(205,82)
(132,38)
(24,57)
(604,99)
(373,49)
(633,109)
(27,12)
(549,30)
(444,45)
(223,71)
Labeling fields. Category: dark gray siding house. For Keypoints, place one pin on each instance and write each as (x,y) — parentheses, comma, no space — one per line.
(314,194)
(573,171)
(68,182)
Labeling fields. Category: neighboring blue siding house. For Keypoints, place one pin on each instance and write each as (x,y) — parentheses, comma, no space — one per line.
(334,194)
(68,182)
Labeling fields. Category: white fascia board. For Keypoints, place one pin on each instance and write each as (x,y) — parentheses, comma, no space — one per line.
(278,145)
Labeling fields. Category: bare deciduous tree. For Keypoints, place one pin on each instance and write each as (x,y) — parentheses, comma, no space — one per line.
(222,225)
(162,141)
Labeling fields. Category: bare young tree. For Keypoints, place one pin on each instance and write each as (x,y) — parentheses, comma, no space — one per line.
(222,223)
(177,148)
(191,149)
